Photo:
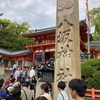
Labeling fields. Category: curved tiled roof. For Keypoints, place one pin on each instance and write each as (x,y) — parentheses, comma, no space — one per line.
(39,32)
(12,53)
(95,44)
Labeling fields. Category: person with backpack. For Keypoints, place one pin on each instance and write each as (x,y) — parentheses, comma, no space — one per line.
(62,95)
(26,93)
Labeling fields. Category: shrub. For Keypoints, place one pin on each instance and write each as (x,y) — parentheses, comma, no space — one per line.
(87,71)
(90,71)
(96,80)
(90,82)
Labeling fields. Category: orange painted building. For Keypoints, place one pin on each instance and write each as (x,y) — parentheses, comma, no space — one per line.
(42,50)
(23,58)
(44,47)
(95,48)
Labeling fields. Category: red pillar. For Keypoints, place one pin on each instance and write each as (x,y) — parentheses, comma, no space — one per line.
(33,57)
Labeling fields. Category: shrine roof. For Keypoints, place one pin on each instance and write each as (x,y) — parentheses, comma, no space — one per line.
(12,53)
(51,30)
(39,32)
(94,44)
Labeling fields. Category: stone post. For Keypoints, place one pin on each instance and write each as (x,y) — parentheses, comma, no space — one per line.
(67,53)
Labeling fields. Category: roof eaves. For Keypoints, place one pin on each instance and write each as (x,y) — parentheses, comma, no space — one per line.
(40,31)
(6,52)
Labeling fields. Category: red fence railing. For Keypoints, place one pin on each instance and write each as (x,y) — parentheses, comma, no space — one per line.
(93,93)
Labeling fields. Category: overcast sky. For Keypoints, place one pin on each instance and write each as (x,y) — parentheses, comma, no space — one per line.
(38,13)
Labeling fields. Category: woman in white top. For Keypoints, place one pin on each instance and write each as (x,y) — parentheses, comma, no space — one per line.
(32,72)
(17,73)
(44,91)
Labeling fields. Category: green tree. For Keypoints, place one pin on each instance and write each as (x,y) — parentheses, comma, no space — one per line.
(10,35)
(95,22)
(90,72)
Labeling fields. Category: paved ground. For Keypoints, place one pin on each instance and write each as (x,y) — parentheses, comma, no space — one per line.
(8,73)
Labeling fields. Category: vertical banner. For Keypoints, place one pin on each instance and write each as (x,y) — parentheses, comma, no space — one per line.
(87,16)
(67,53)
(88,24)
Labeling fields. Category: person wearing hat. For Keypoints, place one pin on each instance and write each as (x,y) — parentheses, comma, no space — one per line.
(16,85)
(9,92)
(26,93)
(3,96)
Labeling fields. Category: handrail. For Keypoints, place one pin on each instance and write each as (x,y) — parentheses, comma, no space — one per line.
(92,93)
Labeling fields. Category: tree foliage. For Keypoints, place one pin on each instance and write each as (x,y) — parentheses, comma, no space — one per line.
(95,22)
(10,35)
(90,71)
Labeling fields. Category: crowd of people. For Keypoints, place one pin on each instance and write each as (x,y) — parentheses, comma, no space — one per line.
(15,90)
(49,63)
(12,89)
(22,86)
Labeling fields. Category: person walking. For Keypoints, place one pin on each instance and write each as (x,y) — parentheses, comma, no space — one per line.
(32,72)
(44,91)
(62,95)
(17,73)
(14,68)
(26,93)
(33,85)
(16,94)
(77,89)
(24,74)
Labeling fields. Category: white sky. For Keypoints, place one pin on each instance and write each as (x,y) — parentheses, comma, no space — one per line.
(38,13)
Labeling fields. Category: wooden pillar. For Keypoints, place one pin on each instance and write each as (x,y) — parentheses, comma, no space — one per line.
(24,61)
(67,53)
(9,62)
(33,57)
(16,61)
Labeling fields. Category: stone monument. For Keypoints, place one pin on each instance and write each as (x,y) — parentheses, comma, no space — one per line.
(67,53)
